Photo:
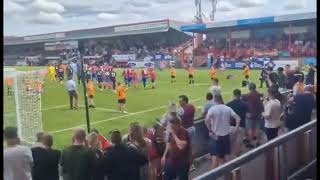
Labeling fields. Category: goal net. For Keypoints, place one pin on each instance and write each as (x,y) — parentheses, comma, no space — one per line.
(22,102)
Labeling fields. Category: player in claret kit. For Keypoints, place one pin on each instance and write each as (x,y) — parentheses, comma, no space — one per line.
(113,77)
(125,76)
(107,80)
(94,70)
(99,78)
(60,74)
(135,79)
(153,77)
(144,77)
(88,74)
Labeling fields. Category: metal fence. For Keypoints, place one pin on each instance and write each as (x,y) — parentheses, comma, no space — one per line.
(286,157)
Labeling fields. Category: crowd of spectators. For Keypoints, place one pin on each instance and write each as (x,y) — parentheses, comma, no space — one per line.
(165,150)
(302,45)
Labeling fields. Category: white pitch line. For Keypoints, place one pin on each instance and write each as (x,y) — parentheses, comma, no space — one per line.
(123,116)
(118,117)
(54,107)
(108,110)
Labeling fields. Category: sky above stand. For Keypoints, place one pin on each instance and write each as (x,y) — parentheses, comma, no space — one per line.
(27,17)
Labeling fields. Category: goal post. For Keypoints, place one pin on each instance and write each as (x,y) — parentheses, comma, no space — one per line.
(26,87)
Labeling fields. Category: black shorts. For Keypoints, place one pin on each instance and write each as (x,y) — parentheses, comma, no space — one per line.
(271,133)
(60,76)
(221,146)
(213,78)
(190,76)
(246,76)
(121,101)
(152,80)
(172,77)
(91,96)
(99,79)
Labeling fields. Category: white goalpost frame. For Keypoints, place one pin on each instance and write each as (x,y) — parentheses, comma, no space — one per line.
(18,95)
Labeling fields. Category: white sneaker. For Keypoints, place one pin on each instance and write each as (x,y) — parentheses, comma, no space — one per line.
(125,112)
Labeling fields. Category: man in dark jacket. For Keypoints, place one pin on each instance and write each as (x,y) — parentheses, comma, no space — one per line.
(122,162)
(46,160)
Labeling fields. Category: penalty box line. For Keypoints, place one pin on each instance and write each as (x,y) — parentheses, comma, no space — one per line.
(119,117)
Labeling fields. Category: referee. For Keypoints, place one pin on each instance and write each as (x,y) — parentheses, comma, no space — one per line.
(72,91)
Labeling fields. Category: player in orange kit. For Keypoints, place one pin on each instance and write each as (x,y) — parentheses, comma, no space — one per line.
(173,74)
(191,73)
(246,73)
(9,83)
(90,93)
(213,73)
(121,93)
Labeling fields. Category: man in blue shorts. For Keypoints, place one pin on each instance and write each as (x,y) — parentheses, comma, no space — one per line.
(218,124)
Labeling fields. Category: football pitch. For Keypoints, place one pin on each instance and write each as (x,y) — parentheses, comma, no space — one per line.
(143,106)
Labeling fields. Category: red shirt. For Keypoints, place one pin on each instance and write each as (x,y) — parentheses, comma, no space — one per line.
(179,157)
(255,106)
(105,144)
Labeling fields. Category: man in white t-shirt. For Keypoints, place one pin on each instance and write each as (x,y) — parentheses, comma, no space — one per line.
(271,114)
(215,89)
(218,124)
(17,159)
(207,105)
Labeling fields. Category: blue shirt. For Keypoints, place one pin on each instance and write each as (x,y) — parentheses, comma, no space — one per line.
(74,67)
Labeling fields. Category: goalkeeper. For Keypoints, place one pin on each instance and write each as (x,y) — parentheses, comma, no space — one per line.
(52,73)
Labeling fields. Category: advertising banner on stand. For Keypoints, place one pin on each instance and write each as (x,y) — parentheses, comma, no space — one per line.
(283,63)
(140,64)
(124,57)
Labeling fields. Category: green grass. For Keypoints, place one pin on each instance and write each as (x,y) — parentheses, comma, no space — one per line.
(154,101)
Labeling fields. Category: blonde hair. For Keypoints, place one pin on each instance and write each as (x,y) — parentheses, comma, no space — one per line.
(93,141)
